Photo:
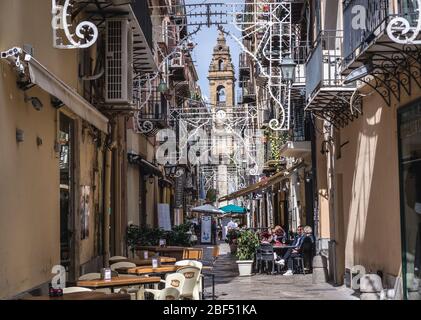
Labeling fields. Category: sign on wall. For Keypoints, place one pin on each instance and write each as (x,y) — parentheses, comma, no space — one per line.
(206,229)
(83,36)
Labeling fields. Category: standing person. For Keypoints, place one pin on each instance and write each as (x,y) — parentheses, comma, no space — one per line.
(308,233)
(213,230)
(292,252)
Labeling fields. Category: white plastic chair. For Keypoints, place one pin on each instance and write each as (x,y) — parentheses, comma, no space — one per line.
(173,280)
(117,258)
(90,276)
(94,276)
(191,288)
(75,289)
(124,264)
(169,294)
(193,263)
(134,291)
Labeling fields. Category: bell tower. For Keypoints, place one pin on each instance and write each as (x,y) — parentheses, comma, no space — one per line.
(222,98)
(222,75)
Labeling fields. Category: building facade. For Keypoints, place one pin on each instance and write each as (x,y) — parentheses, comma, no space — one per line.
(367,141)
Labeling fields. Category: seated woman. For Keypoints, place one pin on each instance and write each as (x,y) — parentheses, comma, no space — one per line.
(265,238)
(278,235)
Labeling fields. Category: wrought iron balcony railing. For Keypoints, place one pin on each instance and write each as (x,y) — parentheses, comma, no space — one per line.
(323,68)
(300,54)
(154,106)
(378,14)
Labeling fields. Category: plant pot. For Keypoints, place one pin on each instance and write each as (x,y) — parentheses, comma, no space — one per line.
(245,267)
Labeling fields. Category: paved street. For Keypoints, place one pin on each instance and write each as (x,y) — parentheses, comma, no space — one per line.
(229,286)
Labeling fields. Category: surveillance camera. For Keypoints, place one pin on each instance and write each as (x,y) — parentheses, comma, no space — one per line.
(36,103)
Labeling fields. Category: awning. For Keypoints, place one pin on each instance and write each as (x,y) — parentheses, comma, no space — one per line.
(145,166)
(277,178)
(59,89)
(150,168)
(296,149)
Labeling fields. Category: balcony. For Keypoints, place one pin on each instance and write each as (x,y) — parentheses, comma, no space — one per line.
(300,54)
(154,109)
(177,66)
(245,65)
(327,97)
(248,93)
(392,64)
(142,37)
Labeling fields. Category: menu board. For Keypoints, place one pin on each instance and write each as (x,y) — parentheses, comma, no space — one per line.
(206,229)
(164,219)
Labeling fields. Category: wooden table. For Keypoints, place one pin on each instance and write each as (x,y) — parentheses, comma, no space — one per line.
(117,282)
(84,296)
(148,269)
(145,262)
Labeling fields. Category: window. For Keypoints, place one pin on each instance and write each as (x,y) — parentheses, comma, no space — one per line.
(220,94)
(221,65)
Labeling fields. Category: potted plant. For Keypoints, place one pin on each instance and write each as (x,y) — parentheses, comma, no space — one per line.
(247,245)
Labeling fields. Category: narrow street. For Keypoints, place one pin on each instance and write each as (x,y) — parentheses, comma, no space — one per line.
(131,131)
(229,286)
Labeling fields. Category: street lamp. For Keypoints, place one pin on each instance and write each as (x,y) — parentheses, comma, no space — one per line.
(288,69)
(163,87)
(170,170)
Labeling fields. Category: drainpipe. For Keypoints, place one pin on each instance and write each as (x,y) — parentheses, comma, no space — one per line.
(107,195)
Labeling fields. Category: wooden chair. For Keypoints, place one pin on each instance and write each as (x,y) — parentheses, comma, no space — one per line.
(192,254)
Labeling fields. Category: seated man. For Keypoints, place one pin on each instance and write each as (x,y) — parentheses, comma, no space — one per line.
(292,252)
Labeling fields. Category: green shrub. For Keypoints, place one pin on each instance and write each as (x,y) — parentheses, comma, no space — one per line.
(147,236)
(248,242)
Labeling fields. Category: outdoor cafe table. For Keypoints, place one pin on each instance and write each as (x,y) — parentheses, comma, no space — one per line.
(149,269)
(84,296)
(146,262)
(117,282)
(286,247)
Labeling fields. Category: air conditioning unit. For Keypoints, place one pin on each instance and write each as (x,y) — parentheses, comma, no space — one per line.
(119,62)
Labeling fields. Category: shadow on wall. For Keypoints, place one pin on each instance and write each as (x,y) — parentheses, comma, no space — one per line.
(371,205)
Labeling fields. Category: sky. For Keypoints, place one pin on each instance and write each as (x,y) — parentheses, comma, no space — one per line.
(205,41)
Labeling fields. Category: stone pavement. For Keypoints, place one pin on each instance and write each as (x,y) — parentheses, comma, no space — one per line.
(229,286)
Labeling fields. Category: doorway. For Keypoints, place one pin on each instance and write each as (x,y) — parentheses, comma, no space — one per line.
(66,163)
(409,125)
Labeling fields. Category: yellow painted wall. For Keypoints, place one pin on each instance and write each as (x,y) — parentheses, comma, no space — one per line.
(29,174)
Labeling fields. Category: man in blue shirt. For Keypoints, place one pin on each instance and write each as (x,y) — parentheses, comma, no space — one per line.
(292,252)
